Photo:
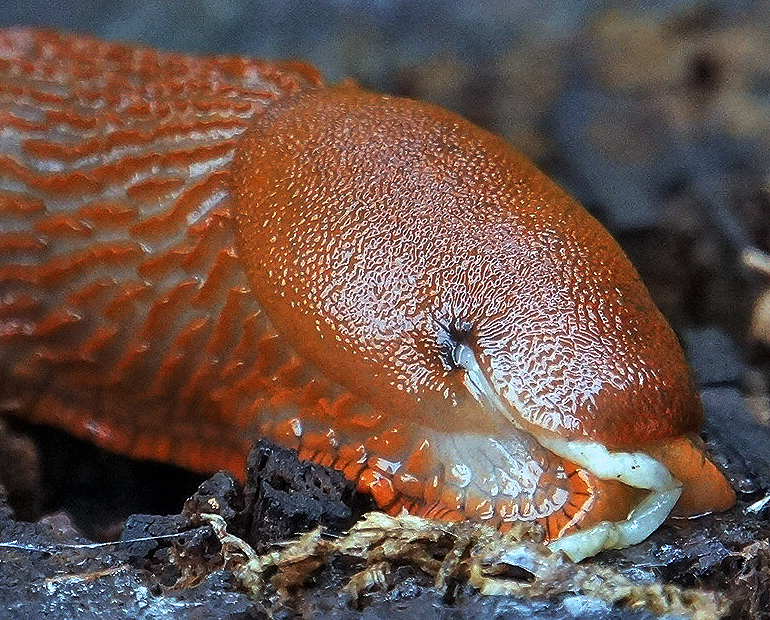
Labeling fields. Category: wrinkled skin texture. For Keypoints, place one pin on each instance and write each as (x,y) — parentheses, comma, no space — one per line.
(391,224)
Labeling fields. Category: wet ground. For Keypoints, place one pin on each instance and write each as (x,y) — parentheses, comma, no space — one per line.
(179,566)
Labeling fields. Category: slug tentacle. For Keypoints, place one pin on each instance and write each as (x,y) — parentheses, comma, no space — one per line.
(196,252)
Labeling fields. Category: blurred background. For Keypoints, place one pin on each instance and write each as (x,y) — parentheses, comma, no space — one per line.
(657,118)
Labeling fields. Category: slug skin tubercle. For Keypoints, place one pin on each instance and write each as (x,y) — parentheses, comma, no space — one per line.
(217,249)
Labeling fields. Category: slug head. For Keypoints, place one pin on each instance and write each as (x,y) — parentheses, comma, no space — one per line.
(380,234)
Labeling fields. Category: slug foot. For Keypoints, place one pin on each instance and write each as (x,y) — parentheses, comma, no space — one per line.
(499,481)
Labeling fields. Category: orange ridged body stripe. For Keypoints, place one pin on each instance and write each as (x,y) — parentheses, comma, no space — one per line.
(123,287)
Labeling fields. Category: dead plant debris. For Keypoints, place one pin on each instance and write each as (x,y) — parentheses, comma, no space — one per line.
(512,563)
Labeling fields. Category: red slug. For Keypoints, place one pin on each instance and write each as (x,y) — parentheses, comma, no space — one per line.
(195,252)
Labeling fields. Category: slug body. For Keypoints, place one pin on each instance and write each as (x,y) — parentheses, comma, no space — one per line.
(198,252)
